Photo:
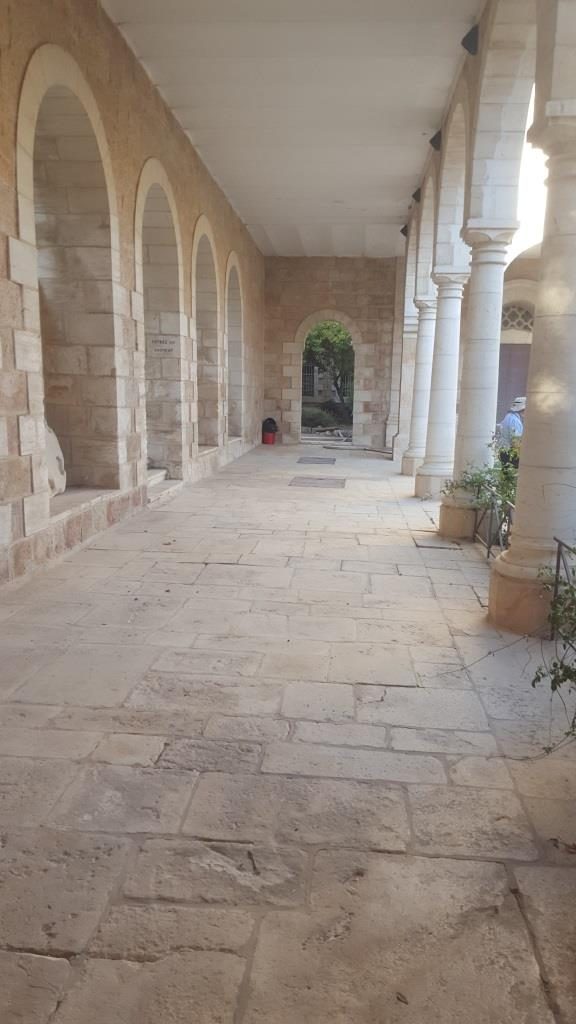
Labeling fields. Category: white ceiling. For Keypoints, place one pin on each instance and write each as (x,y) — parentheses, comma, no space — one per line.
(313,115)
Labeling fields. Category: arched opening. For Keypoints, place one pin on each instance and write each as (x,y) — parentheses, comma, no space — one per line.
(235,355)
(207,322)
(162,323)
(328,382)
(75,274)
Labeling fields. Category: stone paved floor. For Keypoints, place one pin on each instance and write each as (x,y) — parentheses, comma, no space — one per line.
(263,761)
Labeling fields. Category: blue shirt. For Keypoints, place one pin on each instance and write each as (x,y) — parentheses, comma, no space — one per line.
(510,428)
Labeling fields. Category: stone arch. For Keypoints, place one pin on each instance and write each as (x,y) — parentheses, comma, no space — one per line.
(162,324)
(234,348)
(68,216)
(503,94)
(451,252)
(295,369)
(206,312)
(51,66)
(425,287)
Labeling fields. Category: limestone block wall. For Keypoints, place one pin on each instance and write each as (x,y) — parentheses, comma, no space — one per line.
(74,178)
(360,293)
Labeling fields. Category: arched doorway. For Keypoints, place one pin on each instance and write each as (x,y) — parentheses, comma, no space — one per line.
(208,346)
(328,382)
(235,354)
(164,377)
(76,269)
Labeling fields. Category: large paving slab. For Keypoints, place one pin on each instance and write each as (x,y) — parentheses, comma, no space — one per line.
(550,902)
(263,761)
(405,941)
(307,811)
(178,988)
(31,987)
(54,887)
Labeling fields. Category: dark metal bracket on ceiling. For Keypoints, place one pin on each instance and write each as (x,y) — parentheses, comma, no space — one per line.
(471,41)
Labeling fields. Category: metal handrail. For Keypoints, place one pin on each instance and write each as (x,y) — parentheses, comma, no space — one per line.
(562,563)
(500,522)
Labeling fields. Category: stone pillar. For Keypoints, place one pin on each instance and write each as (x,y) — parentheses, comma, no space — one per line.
(439,458)
(480,367)
(546,495)
(414,454)
(409,338)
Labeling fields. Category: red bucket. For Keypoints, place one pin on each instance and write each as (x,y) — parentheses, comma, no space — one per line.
(268,438)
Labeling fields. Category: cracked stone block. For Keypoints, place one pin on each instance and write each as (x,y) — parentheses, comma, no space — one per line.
(29,788)
(125,799)
(31,987)
(550,903)
(180,988)
(206,755)
(150,932)
(329,702)
(215,873)
(443,741)
(437,709)
(348,763)
(400,940)
(54,887)
(470,822)
(371,663)
(253,808)
(127,748)
(484,772)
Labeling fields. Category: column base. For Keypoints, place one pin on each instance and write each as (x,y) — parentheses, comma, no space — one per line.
(430,485)
(457,522)
(410,463)
(518,604)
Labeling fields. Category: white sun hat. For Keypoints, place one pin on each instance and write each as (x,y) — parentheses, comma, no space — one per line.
(518,405)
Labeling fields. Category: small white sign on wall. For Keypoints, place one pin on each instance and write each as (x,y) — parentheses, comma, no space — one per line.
(163,345)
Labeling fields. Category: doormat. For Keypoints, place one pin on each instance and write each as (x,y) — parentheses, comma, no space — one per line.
(311,461)
(316,481)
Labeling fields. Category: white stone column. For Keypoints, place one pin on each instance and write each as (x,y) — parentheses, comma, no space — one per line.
(414,454)
(480,369)
(546,495)
(439,458)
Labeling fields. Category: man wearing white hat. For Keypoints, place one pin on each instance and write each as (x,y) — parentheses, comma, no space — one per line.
(510,430)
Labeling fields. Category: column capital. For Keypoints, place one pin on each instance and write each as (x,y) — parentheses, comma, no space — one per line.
(484,236)
(555,132)
(450,282)
(427,304)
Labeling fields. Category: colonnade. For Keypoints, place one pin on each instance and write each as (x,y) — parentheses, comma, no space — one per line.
(459,367)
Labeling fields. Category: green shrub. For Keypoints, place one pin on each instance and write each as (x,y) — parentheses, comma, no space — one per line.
(312,416)
(340,411)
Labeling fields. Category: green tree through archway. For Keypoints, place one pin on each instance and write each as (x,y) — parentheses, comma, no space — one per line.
(327,376)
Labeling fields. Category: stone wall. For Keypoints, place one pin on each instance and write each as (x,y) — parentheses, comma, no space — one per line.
(360,293)
(74,267)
